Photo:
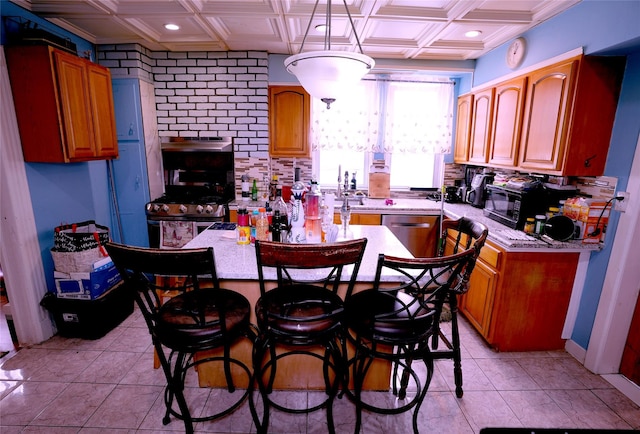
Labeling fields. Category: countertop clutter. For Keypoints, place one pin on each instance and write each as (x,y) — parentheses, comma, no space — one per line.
(498,233)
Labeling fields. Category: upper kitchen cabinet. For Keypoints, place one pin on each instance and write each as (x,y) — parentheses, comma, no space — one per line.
(463,128)
(507,120)
(568,118)
(64,105)
(289,121)
(481,126)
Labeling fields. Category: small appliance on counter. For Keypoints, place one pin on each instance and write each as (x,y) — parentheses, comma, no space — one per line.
(476,192)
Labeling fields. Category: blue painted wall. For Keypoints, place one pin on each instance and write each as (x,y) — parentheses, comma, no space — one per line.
(604,28)
(62,193)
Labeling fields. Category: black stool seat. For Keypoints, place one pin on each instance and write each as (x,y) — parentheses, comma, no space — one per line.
(384,319)
(183,327)
(300,313)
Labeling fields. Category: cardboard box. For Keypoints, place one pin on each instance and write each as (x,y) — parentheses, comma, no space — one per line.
(86,286)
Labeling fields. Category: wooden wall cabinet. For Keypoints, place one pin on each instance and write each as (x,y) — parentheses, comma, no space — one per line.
(569,112)
(481,126)
(64,105)
(555,120)
(289,121)
(507,120)
(463,128)
(518,301)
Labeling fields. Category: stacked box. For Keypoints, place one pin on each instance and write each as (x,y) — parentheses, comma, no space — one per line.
(87,286)
(591,217)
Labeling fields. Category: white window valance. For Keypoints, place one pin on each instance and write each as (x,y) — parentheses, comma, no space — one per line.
(391,115)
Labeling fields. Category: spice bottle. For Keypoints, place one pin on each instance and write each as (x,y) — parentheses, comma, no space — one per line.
(540,220)
(262,225)
(530,225)
(243,229)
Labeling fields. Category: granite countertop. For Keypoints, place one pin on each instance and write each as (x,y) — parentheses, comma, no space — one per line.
(234,261)
(498,233)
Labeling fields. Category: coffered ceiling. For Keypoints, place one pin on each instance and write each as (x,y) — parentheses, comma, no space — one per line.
(389,29)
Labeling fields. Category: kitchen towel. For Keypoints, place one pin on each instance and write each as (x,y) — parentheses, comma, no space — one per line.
(175,234)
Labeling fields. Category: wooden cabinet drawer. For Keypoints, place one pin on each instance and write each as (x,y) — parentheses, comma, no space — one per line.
(490,255)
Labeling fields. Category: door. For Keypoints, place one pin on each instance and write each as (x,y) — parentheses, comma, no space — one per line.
(130,169)
(101,98)
(545,129)
(74,104)
(507,120)
(463,129)
(481,126)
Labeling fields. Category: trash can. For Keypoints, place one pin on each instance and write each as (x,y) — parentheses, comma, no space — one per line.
(90,319)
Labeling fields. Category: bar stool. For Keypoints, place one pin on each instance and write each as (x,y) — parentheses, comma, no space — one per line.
(302,313)
(396,321)
(199,318)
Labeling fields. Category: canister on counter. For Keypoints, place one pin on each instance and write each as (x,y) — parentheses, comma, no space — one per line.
(530,225)
(540,219)
(552,211)
(243,229)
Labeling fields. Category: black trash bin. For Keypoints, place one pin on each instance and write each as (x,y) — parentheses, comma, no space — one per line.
(90,319)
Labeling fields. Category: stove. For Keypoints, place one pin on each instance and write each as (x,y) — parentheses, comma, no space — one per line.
(198,183)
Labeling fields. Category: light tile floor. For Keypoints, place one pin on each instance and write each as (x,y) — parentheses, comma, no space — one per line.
(108,386)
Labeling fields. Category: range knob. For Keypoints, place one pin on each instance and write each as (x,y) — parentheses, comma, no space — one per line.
(182,209)
(208,209)
(149,207)
(199,209)
(155,207)
(165,208)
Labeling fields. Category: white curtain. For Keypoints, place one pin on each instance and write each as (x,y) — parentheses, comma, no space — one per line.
(391,115)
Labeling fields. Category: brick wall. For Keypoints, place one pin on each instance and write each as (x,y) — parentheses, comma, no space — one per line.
(208,94)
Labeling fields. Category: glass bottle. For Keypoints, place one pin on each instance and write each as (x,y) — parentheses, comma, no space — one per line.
(262,225)
(280,206)
(254,191)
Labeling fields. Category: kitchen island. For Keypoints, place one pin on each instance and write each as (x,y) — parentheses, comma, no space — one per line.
(237,269)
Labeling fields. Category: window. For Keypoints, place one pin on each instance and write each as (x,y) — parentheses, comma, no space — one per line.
(406,121)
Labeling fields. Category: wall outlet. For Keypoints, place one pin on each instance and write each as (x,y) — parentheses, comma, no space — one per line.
(621,205)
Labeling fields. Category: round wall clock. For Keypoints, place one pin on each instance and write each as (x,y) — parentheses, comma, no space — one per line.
(515,52)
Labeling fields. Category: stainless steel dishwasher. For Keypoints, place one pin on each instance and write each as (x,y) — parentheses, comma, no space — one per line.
(418,233)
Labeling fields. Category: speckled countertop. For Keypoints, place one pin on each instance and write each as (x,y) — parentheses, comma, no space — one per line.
(457,210)
(234,261)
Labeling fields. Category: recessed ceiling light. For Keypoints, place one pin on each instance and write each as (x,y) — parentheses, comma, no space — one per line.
(473,33)
(172,26)
(321,28)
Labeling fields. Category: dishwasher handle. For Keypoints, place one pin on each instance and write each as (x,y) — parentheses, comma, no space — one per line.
(410,225)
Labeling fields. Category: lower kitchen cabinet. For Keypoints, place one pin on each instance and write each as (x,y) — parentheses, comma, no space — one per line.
(518,301)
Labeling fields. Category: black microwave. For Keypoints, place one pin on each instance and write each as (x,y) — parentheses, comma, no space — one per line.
(512,207)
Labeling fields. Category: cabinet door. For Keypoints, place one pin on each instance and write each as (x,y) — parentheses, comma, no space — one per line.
(544,133)
(463,129)
(507,120)
(74,104)
(477,303)
(481,126)
(289,118)
(101,99)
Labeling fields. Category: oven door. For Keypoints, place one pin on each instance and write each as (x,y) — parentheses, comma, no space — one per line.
(154,228)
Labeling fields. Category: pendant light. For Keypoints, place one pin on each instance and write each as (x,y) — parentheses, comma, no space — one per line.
(328,74)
